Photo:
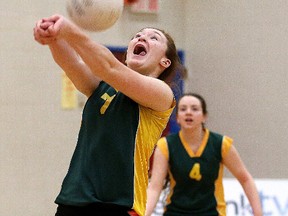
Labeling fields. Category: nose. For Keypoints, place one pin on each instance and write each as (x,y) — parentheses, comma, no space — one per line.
(142,38)
(189,111)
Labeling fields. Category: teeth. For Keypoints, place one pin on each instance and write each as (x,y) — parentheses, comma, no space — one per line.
(142,53)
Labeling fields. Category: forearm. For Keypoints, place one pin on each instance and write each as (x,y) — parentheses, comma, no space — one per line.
(152,199)
(99,58)
(235,165)
(253,196)
(158,177)
(64,56)
(100,63)
(71,63)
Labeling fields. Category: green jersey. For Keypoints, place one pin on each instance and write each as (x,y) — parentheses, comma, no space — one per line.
(111,159)
(195,177)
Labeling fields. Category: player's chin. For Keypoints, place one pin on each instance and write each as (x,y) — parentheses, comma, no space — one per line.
(135,63)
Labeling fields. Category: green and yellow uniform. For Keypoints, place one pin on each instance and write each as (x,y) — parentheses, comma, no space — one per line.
(195,178)
(111,159)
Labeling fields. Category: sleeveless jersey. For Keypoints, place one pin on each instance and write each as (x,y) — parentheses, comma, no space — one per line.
(195,178)
(115,141)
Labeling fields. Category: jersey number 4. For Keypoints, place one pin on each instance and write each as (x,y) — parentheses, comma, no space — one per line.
(195,172)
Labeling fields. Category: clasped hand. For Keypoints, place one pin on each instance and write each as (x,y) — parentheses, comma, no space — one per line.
(49,29)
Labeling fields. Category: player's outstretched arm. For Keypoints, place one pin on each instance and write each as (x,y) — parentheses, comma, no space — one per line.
(46,33)
(158,176)
(236,166)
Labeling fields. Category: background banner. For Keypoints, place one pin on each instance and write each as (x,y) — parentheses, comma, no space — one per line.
(273,194)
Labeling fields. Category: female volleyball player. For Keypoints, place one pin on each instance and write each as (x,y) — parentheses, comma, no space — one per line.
(195,158)
(127,109)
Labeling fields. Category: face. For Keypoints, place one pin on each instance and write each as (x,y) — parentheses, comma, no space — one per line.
(190,114)
(146,51)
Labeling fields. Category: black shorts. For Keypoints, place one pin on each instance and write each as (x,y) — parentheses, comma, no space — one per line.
(94,210)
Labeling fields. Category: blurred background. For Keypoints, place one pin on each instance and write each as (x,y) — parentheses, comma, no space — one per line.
(236,56)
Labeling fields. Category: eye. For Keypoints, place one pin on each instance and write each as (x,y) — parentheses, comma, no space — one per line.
(196,109)
(182,109)
(154,38)
(137,35)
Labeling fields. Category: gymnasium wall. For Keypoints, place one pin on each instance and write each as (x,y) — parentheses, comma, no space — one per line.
(235,52)
(37,137)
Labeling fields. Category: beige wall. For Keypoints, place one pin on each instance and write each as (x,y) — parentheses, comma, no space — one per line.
(235,53)
(36,136)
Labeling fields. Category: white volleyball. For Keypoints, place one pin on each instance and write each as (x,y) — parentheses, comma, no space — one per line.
(94,15)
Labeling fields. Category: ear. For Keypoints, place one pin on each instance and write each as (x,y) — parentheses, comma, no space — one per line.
(204,119)
(165,62)
(177,120)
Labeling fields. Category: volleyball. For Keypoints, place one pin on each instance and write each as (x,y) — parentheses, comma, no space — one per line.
(94,15)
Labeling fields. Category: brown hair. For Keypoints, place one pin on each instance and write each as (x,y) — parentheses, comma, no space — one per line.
(176,66)
(199,97)
(171,53)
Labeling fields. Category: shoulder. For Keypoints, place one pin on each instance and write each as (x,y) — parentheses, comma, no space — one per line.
(226,142)
(172,137)
(163,147)
(159,114)
(215,135)
(163,142)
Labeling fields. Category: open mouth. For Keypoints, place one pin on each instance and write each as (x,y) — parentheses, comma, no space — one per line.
(140,50)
